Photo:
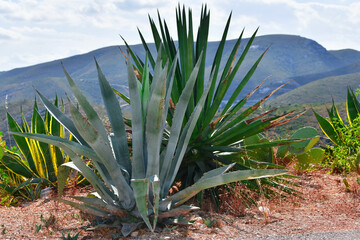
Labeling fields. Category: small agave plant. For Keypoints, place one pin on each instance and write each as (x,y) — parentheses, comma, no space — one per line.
(133,186)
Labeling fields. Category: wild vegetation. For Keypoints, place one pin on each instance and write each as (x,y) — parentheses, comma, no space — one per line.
(181,138)
(32,165)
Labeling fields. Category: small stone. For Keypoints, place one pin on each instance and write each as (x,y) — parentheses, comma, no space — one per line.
(134,234)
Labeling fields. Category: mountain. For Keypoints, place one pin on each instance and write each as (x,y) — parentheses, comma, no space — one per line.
(288,57)
(320,91)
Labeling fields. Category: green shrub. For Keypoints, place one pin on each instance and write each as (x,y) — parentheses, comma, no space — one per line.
(343,154)
(345,158)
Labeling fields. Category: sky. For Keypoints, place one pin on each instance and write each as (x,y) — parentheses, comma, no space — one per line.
(36,31)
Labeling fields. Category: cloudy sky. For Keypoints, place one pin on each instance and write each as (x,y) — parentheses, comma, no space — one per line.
(35,31)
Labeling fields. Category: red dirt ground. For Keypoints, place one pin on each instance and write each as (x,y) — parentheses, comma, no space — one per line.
(326,205)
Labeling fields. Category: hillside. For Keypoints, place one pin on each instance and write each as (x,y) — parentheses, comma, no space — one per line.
(304,79)
(319,91)
(287,56)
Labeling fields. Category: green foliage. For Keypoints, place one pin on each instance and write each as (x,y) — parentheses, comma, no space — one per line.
(304,153)
(134,188)
(2,146)
(343,156)
(49,221)
(7,199)
(301,151)
(34,164)
(69,237)
(38,227)
(209,222)
(220,129)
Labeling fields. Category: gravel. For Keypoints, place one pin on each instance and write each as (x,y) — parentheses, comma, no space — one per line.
(339,235)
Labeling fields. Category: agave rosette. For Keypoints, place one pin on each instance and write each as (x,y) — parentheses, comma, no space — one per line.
(133,186)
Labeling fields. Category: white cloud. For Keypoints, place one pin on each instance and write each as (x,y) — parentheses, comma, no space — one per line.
(33,31)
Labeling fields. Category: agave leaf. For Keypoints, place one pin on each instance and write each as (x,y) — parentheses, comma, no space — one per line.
(169,44)
(215,178)
(78,165)
(125,98)
(104,152)
(155,33)
(21,142)
(328,129)
(91,114)
(141,192)
(357,104)
(72,149)
(146,47)
(177,121)
(138,161)
(200,51)
(14,164)
(119,140)
(351,106)
(7,188)
(100,204)
(169,87)
(61,118)
(221,129)
(53,126)
(334,113)
(155,122)
(63,174)
(247,76)
(183,143)
(156,189)
(234,110)
(256,145)
(145,87)
(41,181)
(137,60)
(241,131)
(225,81)
(182,210)
(61,142)
(46,168)
(86,208)
(217,59)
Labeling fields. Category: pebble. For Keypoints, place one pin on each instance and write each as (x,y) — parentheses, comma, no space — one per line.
(135,234)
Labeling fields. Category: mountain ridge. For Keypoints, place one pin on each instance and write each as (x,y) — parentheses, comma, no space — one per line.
(288,57)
